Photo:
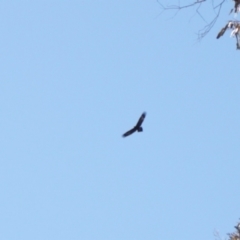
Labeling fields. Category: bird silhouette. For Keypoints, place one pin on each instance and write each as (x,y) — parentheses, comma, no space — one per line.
(137,127)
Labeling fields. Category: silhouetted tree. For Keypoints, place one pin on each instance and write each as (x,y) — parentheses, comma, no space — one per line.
(235,235)
(233,25)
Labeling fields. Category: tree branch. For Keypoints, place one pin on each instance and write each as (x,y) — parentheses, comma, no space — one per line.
(205,30)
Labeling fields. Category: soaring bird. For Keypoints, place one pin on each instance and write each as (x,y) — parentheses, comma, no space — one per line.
(137,127)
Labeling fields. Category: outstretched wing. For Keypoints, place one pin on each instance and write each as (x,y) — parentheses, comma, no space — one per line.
(141,119)
(130,132)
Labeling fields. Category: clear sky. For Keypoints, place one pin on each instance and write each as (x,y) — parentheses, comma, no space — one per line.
(74,76)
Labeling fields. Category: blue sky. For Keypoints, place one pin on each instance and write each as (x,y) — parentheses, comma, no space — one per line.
(75,75)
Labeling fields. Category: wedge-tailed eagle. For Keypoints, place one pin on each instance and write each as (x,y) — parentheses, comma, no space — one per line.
(136,128)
